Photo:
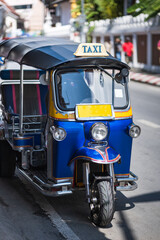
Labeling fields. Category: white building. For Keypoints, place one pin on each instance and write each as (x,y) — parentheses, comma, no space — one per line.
(143,34)
(8,20)
(32,11)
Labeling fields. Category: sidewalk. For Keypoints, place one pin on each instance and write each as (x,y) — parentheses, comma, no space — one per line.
(149,78)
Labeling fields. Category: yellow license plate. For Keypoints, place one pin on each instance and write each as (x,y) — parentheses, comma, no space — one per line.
(94,111)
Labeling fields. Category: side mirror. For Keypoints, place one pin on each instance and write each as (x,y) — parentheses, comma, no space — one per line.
(119,77)
(124,72)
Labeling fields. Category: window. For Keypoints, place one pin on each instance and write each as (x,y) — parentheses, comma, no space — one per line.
(27,6)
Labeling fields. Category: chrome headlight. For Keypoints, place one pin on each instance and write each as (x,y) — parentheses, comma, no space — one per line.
(134,131)
(99,131)
(59,134)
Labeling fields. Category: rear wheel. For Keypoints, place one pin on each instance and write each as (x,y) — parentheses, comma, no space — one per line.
(7,160)
(102,203)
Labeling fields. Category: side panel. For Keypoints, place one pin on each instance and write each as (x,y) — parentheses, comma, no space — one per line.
(63,151)
(122,143)
(28,140)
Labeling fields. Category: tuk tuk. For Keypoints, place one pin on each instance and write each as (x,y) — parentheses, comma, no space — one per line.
(66,120)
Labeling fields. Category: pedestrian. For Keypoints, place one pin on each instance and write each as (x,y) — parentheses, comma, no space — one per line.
(158,48)
(128,49)
(118,48)
(108,46)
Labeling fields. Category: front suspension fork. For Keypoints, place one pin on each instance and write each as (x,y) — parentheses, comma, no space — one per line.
(112,175)
(86,173)
(86,178)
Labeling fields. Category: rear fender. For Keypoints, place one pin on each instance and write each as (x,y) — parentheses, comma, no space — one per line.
(99,155)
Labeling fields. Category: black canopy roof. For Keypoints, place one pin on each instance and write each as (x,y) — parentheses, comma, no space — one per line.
(48,52)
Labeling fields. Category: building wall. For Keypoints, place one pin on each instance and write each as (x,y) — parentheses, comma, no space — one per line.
(36,20)
(142,48)
(11,27)
(65,13)
(8,21)
(32,11)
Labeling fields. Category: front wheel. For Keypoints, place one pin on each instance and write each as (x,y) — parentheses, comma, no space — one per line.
(102,203)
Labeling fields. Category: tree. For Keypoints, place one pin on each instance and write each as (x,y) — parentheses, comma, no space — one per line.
(90,10)
(110,8)
(149,7)
(100,9)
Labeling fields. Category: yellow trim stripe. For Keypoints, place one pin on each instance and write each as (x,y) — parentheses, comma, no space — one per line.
(62,178)
(57,115)
(124,114)
(26,138)
(126,174)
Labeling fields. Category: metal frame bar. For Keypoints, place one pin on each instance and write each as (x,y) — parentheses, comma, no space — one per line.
(131,184)
(21,101)
(48,189)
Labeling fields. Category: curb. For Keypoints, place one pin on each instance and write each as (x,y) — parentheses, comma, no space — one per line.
(145,78)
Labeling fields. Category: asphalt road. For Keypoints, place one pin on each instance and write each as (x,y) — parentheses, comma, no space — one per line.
(26,214)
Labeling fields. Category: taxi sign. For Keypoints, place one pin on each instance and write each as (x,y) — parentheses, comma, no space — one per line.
(91,50)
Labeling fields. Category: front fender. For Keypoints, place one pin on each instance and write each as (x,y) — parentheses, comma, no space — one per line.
(99,155)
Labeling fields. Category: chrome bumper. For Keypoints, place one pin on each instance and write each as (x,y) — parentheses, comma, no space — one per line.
(48,189)
(127,183)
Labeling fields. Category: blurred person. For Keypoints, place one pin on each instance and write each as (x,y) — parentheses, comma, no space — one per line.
(108,46)
(128,49)
(158,48)
(118,48)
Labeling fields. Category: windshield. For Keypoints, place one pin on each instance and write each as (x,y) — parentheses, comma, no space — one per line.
(88,86)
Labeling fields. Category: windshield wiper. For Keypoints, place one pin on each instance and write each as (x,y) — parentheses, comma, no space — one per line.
(119,77)
(105,71)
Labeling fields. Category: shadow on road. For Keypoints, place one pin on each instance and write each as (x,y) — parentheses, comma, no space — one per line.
(148,197)
(123,203)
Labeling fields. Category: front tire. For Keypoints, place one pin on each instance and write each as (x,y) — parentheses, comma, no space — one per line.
(7,160)
(102,205)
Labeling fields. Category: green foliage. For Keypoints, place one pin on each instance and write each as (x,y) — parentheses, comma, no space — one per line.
(110,8)
(89,34)
(150,7)
(100,9)
(90,10)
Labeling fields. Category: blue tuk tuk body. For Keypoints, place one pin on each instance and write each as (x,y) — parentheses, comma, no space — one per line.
(67,124)
(76,137)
